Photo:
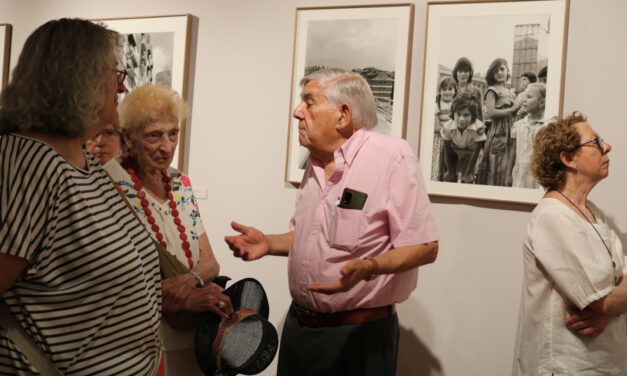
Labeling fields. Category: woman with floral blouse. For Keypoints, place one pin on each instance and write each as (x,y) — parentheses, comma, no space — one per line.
(163,199)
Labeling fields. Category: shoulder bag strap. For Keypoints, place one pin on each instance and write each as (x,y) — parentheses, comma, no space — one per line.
(14,331)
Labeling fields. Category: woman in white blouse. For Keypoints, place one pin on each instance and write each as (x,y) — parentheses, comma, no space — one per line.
(164,201)
(574,294)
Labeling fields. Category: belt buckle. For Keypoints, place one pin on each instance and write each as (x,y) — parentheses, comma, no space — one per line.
(314,319)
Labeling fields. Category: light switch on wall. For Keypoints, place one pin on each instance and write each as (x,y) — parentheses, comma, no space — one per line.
(200,193)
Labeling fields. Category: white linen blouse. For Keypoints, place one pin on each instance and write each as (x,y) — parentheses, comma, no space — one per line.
(567,267)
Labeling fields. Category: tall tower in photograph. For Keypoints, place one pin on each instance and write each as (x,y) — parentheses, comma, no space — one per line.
(525,51)
(137,60)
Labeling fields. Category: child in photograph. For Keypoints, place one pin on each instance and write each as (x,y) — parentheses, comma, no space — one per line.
(524,131)
(446,92)
(463,73)
(462,139)
(542,75)
(500,107)
(523,81)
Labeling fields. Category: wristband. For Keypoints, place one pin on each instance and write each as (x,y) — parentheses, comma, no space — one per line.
(375,266)
(201,282)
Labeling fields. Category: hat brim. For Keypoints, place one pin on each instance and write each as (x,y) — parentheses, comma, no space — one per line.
(246,294)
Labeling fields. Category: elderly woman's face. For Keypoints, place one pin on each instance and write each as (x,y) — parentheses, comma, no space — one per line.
(153,144)
(591,161)
(105,145)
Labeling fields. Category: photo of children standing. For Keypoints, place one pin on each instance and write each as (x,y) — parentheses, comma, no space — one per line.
(493,76)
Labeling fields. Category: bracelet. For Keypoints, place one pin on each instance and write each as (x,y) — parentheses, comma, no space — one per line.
(375,266)
(201,282)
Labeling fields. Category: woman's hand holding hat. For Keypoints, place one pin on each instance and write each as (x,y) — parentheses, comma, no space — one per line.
(209,298)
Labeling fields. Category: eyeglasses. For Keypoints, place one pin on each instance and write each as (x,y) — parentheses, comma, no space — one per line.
(107,134)
(597,140)
(121,75)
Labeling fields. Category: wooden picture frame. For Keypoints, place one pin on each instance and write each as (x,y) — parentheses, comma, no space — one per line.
(373,40)
(531,37)
(156,49)
(5,50)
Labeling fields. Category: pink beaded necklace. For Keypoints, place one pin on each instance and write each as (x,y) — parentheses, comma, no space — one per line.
(130,168)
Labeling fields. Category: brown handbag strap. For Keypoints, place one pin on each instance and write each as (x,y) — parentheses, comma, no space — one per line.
(14,331)
(128,204)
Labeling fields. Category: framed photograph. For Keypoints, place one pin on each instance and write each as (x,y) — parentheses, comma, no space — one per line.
(374,41)
(5,54)
(493,76)
(156,50)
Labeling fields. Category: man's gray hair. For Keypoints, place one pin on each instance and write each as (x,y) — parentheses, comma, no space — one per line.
(341,86)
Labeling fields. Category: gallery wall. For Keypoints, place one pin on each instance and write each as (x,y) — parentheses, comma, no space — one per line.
(461,319)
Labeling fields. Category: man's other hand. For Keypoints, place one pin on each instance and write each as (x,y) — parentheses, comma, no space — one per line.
(352,273)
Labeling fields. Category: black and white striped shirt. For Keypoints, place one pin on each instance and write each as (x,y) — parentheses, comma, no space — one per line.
(91,295)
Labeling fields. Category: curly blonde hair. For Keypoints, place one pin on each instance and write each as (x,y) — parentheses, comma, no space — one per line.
(56,87)
(558,136)
(148,102)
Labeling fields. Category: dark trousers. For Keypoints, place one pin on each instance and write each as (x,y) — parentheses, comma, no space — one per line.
(366,349)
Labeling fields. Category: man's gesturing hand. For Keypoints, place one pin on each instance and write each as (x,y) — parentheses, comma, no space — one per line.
(250,245)
(353,272)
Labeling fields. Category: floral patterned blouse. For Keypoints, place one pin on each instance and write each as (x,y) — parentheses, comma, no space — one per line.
(185,203)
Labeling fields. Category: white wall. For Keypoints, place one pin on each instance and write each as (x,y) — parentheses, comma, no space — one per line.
(461,319)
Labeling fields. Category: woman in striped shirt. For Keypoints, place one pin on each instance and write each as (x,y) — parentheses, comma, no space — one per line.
(77,270)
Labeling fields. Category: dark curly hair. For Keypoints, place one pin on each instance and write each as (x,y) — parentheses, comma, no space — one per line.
(463,101)
(530,76)
(558,136)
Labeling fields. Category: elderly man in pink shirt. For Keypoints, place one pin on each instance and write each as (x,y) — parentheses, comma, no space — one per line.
(361,227)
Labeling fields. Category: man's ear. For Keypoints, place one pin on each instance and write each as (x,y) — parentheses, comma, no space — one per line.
(567,159)
(345,120)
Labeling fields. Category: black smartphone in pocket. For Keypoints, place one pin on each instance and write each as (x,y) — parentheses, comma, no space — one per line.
(352,199)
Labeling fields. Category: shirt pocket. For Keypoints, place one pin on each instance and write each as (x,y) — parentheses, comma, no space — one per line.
(344,227)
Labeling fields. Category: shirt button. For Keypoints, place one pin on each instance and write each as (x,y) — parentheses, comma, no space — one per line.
(304,262)
(303,293)
(314,233)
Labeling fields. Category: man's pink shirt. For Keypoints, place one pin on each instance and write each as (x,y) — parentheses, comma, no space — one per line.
(396,214)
